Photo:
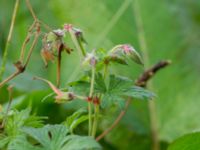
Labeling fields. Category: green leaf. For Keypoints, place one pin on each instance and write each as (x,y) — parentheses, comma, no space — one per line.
(111,99)
(75,142)
(118,84)
(51,137)
(187,142)
(139,93)
(21,143)
(100,86)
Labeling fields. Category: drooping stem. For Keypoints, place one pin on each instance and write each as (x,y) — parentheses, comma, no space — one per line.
(90,102)
(144,49)
(3,65)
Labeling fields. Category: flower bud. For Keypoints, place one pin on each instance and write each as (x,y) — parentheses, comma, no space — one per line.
(126,50)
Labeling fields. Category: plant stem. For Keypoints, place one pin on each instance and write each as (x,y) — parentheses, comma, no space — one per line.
(59,67)
(90,103)
(9,78)
(122,113)
(143,45)
(95,123)
(31,10)
(96,114)
(3,65)
(27,39)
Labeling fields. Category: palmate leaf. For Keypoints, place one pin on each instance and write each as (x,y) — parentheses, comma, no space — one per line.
(16,120)
(119,89)
(139,93)
(51,137)
(54,137)
(75,142)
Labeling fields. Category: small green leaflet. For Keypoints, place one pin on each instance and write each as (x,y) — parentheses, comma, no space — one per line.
(75,119)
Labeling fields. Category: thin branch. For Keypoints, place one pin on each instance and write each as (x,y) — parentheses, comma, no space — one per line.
(27,39)
(19,65)
(115,123)
(142,80)
(33,45)
(9,78)
(31,10)
(3,65)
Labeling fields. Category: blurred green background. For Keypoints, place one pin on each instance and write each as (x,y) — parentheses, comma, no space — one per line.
(172,31)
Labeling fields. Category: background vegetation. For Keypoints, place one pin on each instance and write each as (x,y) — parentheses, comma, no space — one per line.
(171,30)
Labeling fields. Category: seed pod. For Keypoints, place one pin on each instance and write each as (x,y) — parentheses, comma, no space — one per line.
(64,97)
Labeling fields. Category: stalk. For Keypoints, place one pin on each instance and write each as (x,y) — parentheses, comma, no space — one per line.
(96,115)
(90,103)
(3,65)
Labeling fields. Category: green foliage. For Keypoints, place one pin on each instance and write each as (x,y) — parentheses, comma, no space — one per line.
(53,137)
(186,142)
(119,88)
(175,36)
(14,122)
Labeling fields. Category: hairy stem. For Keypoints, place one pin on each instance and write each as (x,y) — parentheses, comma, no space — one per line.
(143,45)
(96,113)
(90,103)
(3,65)
(95,123)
